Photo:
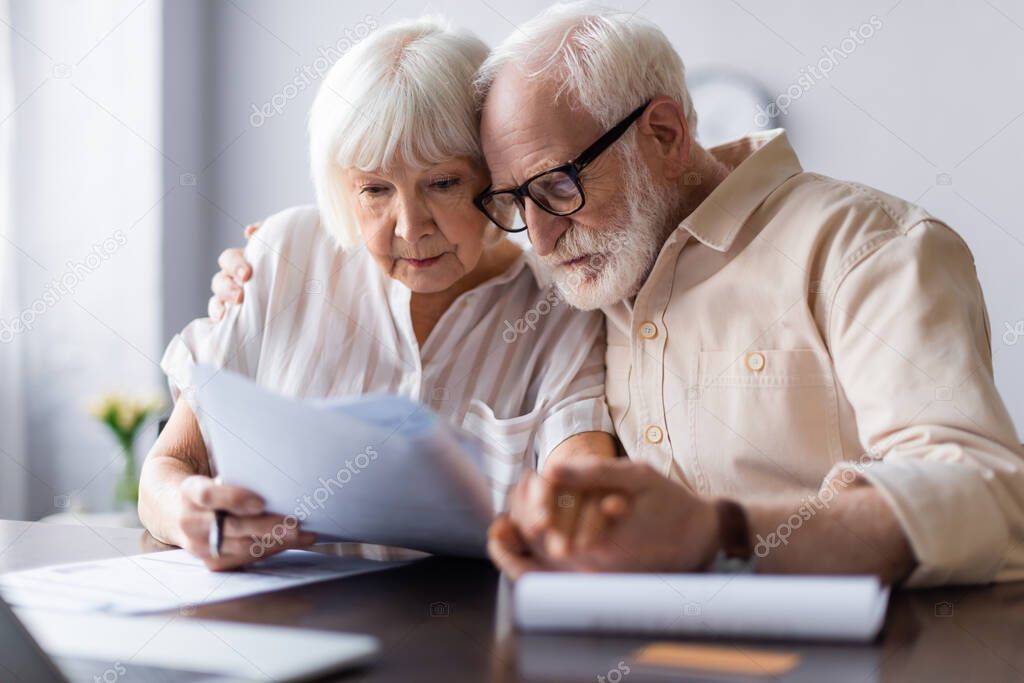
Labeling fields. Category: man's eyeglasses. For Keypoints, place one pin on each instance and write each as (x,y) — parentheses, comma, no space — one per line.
(557,190)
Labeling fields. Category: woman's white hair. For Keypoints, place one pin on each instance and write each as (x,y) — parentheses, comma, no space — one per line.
(401,96)
(606,61)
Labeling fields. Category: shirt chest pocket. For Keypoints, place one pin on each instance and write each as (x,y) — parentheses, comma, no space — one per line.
(766,420)
(508,444)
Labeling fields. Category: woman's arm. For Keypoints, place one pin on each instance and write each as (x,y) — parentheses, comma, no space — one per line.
(178,499)
(178,453)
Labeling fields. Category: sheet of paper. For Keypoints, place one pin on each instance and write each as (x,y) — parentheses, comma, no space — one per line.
(153,582)
(375,469)
(841,608)
(240,651)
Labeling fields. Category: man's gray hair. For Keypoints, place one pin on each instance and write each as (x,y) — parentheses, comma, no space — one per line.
(606,61)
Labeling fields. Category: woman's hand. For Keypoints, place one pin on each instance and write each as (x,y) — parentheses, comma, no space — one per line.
(249,533)
(235,271)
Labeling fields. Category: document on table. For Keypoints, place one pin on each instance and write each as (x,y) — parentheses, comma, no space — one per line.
(376,469)
(154,582)
(839,608)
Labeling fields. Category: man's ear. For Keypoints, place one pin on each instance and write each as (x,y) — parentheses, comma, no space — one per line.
(666,136)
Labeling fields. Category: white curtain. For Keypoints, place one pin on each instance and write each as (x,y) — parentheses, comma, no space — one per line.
(13,474)
(82,239)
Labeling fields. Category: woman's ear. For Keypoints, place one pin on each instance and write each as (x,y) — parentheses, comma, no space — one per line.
(666,136)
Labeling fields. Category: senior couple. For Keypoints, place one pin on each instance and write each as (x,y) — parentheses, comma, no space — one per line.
(739,363)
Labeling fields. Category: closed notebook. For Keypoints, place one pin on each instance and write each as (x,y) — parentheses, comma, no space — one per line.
(830,608)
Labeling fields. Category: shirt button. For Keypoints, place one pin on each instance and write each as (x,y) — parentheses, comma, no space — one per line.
(755,361)
(653,434)
(648,330)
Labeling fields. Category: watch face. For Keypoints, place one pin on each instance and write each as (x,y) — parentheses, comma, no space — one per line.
(729,105)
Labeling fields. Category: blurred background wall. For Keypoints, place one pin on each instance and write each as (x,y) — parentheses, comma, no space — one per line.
(176,123)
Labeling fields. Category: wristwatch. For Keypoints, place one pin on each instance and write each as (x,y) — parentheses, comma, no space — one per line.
(735,554)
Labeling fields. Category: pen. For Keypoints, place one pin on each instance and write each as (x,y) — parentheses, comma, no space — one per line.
(217,533)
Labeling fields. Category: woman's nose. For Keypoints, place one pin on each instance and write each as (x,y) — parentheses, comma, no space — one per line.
(414,221)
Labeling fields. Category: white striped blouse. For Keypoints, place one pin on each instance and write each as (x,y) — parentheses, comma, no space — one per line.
(510,360)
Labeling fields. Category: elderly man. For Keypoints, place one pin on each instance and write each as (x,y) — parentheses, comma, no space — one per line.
(799,368)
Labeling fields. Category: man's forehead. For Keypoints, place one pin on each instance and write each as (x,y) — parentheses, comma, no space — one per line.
(526,128)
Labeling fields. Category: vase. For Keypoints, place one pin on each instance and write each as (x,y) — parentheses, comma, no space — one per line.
(126,490)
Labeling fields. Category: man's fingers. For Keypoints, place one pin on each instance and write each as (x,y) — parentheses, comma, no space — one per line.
(251,229)
(592,523)
(533,509)
(509,550)
(600,473)
(504,530)
(225,289)
(614,506)
(565,511)
(232,262)
(208,494)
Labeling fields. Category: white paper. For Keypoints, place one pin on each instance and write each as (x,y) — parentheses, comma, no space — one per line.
(255,652)
(154,582)
(847,608)
(373,469)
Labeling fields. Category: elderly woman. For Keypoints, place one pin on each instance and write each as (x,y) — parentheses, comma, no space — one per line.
(393,282)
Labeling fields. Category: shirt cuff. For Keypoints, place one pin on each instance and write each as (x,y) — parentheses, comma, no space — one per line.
(950,517)
(588,415)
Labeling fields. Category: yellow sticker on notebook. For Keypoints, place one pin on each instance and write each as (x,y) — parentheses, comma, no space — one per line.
(733,660)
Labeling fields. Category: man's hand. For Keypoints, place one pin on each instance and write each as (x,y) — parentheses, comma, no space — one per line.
(655,524)
(650,523)
(550,519)
(234,272)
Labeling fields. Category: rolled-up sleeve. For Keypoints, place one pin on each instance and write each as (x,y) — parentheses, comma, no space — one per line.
(573,385)
(909,336)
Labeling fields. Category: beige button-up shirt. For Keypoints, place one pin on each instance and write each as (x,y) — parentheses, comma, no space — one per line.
(797,330)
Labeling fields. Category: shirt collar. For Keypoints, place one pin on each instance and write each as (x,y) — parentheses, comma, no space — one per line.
(761,162)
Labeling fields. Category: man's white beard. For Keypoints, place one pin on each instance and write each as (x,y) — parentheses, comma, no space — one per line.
(622,252)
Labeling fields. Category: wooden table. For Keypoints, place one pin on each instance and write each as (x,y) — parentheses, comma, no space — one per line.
(448,620)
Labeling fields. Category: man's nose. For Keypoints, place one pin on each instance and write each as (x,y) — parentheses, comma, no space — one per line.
(543,228)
